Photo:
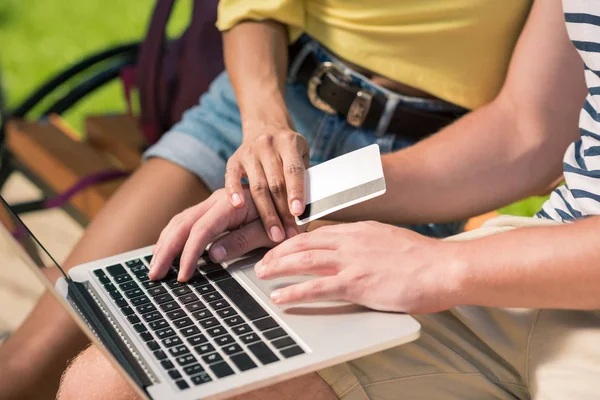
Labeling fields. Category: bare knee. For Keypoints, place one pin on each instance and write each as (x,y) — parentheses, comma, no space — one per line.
(91,376)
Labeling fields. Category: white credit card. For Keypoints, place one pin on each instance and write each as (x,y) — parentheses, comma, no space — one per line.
(342,182)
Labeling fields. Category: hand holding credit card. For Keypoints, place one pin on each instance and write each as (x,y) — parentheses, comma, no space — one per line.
(342,182)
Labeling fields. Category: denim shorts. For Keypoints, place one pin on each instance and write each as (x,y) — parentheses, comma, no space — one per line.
(210,132)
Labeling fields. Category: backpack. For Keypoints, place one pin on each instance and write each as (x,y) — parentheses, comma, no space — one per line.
(171,75)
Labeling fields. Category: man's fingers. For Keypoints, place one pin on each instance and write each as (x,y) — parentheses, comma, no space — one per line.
(239,242)
(320,289)
(309,262)
(171,241)
(294,170)
(306,241)
(233,184)
(261,195)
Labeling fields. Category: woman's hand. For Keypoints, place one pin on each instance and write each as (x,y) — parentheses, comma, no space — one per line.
(274,162)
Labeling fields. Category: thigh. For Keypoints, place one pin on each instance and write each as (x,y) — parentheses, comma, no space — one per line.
(564,356)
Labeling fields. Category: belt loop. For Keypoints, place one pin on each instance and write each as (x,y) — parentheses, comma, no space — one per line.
(294,67)
(388,113)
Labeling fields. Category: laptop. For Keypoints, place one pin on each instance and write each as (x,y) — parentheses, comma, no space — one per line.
(217,335)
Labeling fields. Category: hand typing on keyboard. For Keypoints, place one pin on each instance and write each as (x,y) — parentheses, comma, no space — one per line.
(192,230)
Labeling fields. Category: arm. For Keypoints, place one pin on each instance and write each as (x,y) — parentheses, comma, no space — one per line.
(505,151)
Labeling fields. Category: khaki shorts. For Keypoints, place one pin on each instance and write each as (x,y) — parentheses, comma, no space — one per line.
(484,353)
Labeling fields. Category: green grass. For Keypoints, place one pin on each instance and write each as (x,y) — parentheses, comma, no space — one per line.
(39,38)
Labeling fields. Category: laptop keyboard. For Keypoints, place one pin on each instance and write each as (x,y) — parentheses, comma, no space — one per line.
(205,329)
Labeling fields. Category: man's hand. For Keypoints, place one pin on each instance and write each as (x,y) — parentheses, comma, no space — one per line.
(274,162)
(379,266)
(193,229)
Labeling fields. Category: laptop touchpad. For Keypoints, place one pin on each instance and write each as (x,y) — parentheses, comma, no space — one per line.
(268,286)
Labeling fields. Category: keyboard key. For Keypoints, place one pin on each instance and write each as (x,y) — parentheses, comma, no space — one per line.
(115,295)
(180,291)
(217,331)
(196,340)
(200,315)
(104,279)
(204,348)
(232,349)
(243,362)
(133,319)
(176,314)
(210,267)
(209,323)
(99,273)
(171,341)
(116,270)
(196,306)
(155,291)
(190,331)
(174,374)
(218,275)
(140,328)
(142,276)
(242,299)
(146,308)
(197,280)
(128,285)
(183,323)
(121,302)
(146,336)
(221,369)
(133,293)
(193,369)
(182,384)
(170,306)
(185,360)
(166,364)
(283,342)
(217,305)
(152,316)
(212,297)
(173,283)
(224,340)
(151,284)
(138,301)
(164,333)
(292,351)
(133,263)
(139,268)
(265,324)
(226,312)
(188,298)
(148,258)
(122,278)
(201,378)
(163,298)
(156,325)
(249,338)
(152,345)
(233,321)
(263,353)
(127,310)
(275,333)
(205,289)
(212,358)
(178,351)
(242,329)
(109,287)
(160,355)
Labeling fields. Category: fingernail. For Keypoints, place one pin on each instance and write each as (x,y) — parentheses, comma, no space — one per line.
(296,207)
(276,234)
(276,296)
(236,199)
(218,253)
(291,232)
(260,269)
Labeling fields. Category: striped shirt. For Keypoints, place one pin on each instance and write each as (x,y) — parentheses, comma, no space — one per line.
(580,196)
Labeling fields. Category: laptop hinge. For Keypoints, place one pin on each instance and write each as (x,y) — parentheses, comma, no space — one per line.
(98,322)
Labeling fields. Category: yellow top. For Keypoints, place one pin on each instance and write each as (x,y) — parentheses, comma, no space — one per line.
(457,50)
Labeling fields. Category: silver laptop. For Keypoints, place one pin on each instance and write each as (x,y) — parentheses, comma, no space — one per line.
(216,336)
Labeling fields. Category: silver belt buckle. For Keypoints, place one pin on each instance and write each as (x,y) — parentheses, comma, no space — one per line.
(359,108)
(315,81)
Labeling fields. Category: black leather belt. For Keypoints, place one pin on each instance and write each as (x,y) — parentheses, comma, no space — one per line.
(330,90)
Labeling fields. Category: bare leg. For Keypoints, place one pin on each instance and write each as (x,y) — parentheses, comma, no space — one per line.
(91,377)
(33,359)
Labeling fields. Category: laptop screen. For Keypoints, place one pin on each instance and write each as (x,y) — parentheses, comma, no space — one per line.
(38,255)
